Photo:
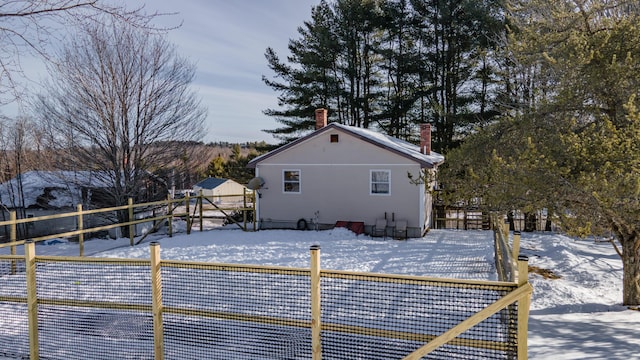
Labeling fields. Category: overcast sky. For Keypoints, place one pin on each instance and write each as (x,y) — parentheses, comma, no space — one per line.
(227,40)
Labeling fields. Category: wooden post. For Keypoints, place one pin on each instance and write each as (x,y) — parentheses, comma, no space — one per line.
(156,295)
(187,200)
(80,228)
(523,308)
(32,298)
(13,230)
(200,203)
(132,227)
(316,327)
(465,219)
(254,205)
(244,210)
(515,248)
(170,213)
(12,238)
(504,226)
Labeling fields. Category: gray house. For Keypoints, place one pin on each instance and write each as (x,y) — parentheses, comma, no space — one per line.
(341,173)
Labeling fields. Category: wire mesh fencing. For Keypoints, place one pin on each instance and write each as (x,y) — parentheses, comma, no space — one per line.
(235,312)
(14,341)
(94,308)
(88,308)
(387,317)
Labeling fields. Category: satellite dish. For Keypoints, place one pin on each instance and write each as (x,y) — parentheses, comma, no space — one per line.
(255,183)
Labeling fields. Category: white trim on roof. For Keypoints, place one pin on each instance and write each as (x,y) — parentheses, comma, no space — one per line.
(392,144)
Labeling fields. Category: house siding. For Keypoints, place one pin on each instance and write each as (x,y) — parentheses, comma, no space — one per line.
(335,181)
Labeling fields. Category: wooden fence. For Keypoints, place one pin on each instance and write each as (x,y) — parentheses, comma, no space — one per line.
(506,251)
(512,267)
(513,288)
(192,209)
(460,218)
(193,310)
(472,218)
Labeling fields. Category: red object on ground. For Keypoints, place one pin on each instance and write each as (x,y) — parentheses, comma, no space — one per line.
(355,226)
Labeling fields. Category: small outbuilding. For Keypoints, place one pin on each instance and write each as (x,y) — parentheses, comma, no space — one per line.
(341,173)
(221,190)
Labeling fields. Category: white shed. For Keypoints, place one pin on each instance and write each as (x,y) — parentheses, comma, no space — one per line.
(221,190)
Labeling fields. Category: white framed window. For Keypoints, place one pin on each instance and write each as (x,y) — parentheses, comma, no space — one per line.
(380,182)
(291,181)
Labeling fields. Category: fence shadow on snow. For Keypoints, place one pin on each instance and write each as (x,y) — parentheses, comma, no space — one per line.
(104,308)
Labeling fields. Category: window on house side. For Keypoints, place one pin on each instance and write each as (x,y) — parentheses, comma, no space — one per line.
(291,181)
(334,138)
(380,181)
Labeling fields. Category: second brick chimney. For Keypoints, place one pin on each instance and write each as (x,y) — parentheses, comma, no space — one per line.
(425,139)
(321,118)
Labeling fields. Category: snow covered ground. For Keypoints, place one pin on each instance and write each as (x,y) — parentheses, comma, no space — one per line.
(576,316)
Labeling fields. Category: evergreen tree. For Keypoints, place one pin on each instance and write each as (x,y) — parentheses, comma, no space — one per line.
(401,66)
(217,168)
(236,167)
(571,142)
(310,81)
(357,32)
(389,65)
(456,38)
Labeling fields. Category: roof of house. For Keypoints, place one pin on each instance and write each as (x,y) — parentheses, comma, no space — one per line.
(211,183)
(395,145)
(64,186)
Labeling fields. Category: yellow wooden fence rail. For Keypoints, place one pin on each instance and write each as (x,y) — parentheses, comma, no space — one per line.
(520,292)
(168,215)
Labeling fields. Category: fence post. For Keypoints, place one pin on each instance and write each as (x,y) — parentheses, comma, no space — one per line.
(32,298)
(504,226)
(156,294)
(244,209)
(187,201)
(170,213)
(254,202)
(316,345)
(515,248)
(132,227)
(523,308)
(12,238)
(13,227)
(80,227)
(201,203)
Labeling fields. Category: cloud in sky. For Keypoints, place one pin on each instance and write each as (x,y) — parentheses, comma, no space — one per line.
(227,40)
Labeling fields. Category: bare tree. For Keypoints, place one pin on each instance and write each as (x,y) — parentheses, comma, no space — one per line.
(18,141)
(29,28)
(119,105)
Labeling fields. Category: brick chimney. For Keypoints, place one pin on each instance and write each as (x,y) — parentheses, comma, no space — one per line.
(425,139)
(321,118)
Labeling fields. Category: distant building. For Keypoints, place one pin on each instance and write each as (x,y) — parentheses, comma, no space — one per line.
(343,173)
(42,193)
(221,190)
